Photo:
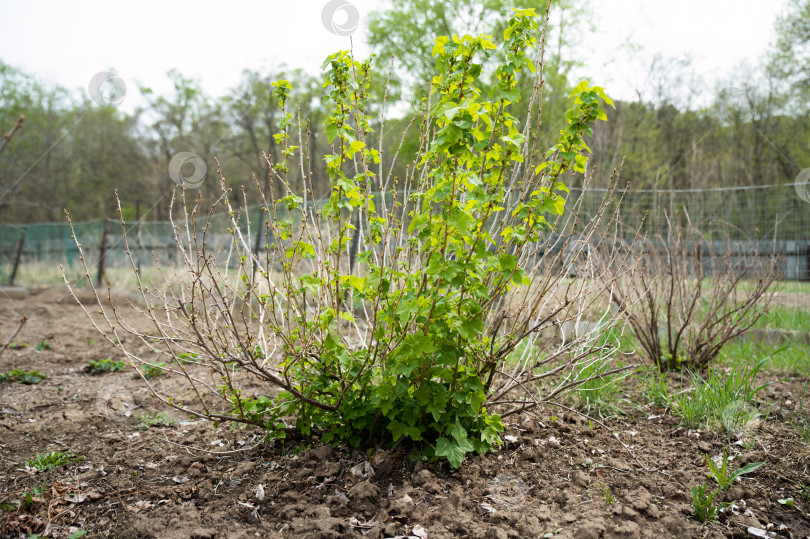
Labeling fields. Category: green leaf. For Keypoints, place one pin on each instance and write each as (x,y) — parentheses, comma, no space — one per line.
(438,48)
(748,468)
(471,328)
(397,429)
(458,432)
(355,147)
(310,283)
(454,451)
(460,220)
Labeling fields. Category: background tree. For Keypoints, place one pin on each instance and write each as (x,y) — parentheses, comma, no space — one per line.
(671,136)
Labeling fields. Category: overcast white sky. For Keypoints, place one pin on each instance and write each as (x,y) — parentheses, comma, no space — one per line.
(68,42)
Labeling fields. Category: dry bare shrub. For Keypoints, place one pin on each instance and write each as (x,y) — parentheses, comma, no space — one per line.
(684,297)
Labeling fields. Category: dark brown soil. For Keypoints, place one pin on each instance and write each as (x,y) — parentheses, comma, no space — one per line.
(557,475)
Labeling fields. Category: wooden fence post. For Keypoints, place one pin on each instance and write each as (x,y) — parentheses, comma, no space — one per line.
(17,257)
(102,254)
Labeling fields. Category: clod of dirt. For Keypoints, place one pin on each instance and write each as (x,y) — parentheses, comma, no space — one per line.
(530,526)
(629,529)
(328,469)
(735,493)
(321,453)
(674,526)
(496,533)
(243,467)
(324,526)
(580,478)
(563,497)
(641,500)
(532,454)
(591,529)
(338,504)
(426,480)
(364,491)
(423,477)
(630,513)
(402,506)
(380,530)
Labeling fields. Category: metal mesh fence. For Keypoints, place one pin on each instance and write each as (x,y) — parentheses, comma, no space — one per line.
(32,253)
(766,219)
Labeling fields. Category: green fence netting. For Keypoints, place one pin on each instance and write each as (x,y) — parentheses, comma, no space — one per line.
(776,214)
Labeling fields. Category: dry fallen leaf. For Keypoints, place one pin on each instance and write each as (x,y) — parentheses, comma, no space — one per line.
(81,497)
(485,508)
(140,505)
(419,531)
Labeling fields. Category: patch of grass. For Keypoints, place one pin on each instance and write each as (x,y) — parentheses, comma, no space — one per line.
(158,419)
(655,387)
(703,507)
(607,495)
(104,365)
(790,359)
(728,402)
(43,345)
(22,377)
(14,345)
(720,471)
(785,318)
(601,393)
(627,343)
(45,461)
(736,418)
(793,287)
(523,352)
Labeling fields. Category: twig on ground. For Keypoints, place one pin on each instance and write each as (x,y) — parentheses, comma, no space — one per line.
(188,447)
(23,320)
